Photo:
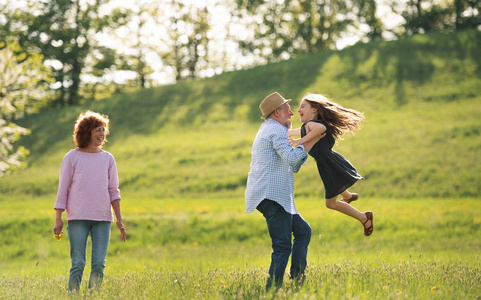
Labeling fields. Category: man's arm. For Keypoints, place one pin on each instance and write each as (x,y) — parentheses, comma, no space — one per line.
(295,157)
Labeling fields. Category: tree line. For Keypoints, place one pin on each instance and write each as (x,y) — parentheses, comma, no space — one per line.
(56,53)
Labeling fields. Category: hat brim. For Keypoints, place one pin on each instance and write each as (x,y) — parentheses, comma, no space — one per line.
(267,114)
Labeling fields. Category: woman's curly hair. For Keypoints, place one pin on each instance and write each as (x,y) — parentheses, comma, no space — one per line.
(86,122)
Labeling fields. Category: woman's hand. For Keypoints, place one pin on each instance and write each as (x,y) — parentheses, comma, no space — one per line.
(118,216)
(57,228)
(121,227)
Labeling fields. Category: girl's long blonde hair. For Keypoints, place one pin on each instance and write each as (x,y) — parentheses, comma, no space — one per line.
(341,120)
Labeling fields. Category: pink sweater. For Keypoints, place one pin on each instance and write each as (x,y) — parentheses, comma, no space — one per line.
(87,185)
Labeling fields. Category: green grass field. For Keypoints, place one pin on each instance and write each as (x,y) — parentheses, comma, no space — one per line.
(186,248)
(183,154)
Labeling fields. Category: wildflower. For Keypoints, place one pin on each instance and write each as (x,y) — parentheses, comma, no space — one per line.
(58,237)
(433,288)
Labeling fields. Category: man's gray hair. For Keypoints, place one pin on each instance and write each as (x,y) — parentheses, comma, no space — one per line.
(279,108)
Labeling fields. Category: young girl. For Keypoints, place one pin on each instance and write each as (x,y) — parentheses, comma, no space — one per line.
(88,191)
(318,115)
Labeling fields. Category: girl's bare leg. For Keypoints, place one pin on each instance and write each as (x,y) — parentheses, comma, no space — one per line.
(346,195)
(347,209)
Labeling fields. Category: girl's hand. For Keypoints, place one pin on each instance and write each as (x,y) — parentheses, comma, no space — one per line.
(121,227)
(294,142)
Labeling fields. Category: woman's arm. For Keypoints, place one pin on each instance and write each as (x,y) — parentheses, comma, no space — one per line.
(64,182)
(118,216)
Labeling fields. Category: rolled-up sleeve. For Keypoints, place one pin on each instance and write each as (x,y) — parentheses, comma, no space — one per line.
(295,157)
(302,162)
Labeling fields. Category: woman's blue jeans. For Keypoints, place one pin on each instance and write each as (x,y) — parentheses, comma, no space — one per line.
(282,226)
(78,233)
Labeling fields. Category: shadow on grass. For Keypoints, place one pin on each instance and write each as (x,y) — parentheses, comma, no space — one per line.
(188,104)
(410,60)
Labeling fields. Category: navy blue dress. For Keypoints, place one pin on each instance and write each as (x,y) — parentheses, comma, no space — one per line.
(336,171)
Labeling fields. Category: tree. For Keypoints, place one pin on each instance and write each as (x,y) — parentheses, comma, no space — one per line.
(285,28)
(467,14)
(367,15)
(423,16)
(23,82)
(188,29)
(139,41)
(63,31)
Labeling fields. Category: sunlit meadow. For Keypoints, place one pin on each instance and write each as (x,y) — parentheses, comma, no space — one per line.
(183,154)
(186,248)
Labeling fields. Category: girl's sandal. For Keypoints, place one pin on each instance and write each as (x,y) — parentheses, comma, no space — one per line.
(354,197)
(368,231)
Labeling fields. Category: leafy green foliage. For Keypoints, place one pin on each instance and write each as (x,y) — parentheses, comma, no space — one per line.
(297,27)
(23,80)
(63,32)
(422,16)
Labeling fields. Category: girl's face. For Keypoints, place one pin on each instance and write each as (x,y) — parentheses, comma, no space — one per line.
(97,136)
(306,111)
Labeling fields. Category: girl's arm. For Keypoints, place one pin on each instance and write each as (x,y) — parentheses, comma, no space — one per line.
(294,132)
(313,129)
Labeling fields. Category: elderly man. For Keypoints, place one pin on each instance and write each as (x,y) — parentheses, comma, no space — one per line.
(270,189)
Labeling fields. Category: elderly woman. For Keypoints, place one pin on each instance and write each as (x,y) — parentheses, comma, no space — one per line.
(88,188)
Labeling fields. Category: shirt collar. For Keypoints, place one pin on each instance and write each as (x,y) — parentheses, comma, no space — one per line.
(275,122)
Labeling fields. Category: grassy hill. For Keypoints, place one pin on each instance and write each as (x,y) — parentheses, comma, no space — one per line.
(421,96)
(192,141)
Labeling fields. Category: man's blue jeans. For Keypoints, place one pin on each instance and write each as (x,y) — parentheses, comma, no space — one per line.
(78,233)
(281,226)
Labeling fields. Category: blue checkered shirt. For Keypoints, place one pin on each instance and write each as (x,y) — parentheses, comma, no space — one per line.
(273,165)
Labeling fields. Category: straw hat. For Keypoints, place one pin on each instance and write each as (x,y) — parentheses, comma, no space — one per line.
(271,102)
